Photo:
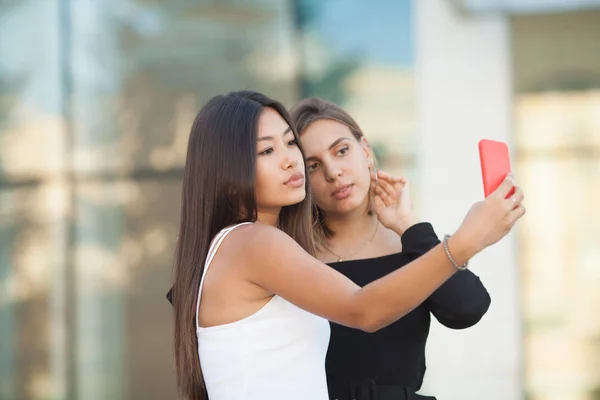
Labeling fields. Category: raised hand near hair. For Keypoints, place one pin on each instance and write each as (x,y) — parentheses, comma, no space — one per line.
(490,220)
(392,202)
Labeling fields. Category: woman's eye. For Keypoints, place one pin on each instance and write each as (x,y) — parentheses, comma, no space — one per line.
(342,151)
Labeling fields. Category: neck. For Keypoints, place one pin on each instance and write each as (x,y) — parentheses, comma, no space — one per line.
(351,225)
(269,217)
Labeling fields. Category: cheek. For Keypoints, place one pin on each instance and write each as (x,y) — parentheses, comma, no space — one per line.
(366,173)
(360,168)
(319,187)
(355,165)
(262,177)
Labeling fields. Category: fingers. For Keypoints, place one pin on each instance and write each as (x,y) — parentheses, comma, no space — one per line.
(386,192)
(397,182)
(383,175)
(516,214)
(504,188)
(391,187)
(373,185)
(387,188)
(403,187)
(516,199)
(379,204)
(390,178)
(515,207)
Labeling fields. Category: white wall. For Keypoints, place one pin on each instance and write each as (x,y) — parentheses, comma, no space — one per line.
(464,94)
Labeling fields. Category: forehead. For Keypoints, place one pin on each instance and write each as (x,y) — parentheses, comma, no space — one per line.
(271,123)
(319,135)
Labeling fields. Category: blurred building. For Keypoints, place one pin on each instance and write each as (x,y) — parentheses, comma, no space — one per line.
(96,101)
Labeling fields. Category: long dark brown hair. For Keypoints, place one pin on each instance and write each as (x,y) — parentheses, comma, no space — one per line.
(311,110)
(219,191)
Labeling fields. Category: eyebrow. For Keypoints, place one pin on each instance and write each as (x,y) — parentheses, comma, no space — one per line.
(331,146)
(288,130)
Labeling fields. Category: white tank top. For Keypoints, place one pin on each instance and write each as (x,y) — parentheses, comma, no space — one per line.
(277,353)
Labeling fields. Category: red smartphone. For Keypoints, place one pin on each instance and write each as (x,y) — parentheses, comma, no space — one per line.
(495,165)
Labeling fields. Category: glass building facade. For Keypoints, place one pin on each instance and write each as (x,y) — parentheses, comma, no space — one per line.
(96,102)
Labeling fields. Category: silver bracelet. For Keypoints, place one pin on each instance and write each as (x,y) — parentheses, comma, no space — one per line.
(458,267)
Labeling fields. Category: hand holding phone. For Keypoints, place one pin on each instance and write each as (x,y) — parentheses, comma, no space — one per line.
(495,165)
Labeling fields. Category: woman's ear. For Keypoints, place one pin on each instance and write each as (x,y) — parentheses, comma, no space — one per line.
(364,143)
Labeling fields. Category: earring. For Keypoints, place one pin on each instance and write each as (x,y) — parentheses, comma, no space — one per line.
(373,170)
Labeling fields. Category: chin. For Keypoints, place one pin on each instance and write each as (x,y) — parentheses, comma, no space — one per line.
(345,206)
(294,198)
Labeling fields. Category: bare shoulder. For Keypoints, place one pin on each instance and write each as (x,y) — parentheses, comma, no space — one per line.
(259,240)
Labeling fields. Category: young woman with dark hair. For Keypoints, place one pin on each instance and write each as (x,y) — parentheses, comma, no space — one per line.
(251,302)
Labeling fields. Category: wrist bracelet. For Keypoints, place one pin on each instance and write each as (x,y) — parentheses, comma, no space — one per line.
(458,267)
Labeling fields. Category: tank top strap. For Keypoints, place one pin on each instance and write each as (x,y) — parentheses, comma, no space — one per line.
(212,250)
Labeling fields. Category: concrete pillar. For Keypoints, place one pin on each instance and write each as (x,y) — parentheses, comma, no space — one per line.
(463,80)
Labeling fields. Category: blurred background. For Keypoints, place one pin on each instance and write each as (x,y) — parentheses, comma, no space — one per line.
(96,101)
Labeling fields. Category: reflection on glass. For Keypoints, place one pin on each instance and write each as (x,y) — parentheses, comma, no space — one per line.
(139,67)
(86,257)
(360,55)
(32,203)
(31,135)
(31,309)
(87,233)
(99,290)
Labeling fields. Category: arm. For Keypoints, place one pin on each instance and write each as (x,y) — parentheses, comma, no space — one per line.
(311,285)
(462,300)
(303,280)
(418,239)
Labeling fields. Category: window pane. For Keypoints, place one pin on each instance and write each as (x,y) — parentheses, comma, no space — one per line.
(32,292)
(31,134)
(142,70)
(558,123)
(124,244)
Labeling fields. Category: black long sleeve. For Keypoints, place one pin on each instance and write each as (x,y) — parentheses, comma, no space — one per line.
(418,240)
(395,355)
(461,301)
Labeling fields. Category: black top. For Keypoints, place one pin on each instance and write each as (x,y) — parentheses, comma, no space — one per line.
(395,355)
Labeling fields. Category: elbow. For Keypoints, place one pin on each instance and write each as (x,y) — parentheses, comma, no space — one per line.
(469,315)
(464,321)
(371,322)
(370,316)
(369,325)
